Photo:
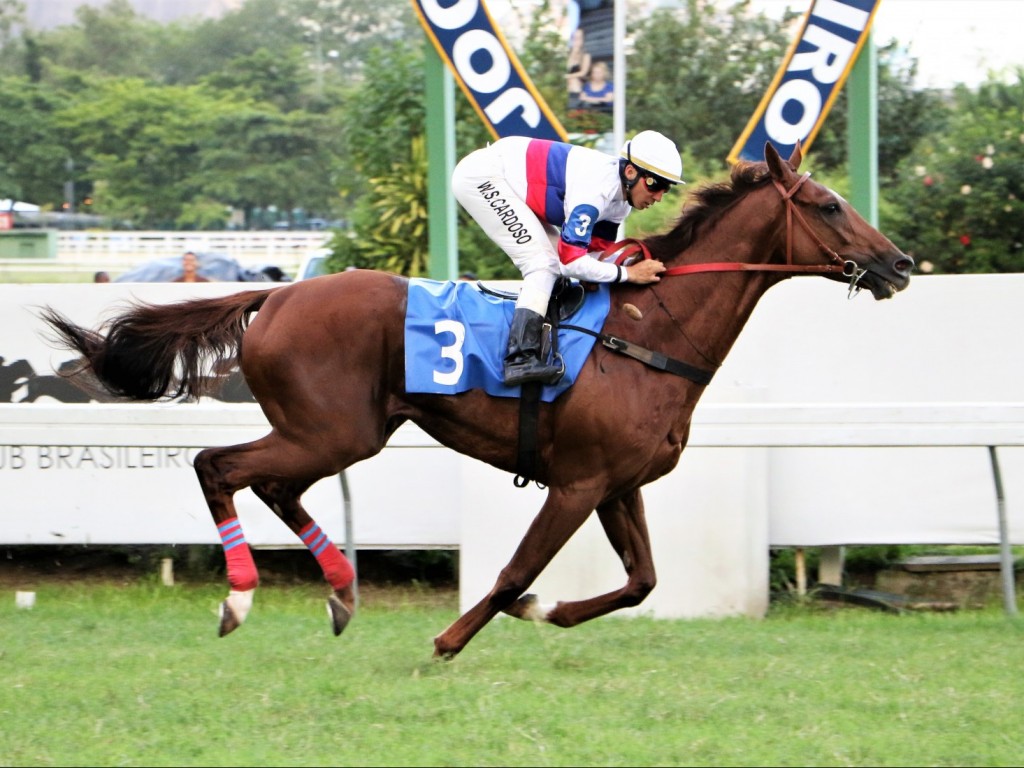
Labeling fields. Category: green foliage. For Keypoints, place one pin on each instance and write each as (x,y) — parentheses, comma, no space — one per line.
(592,122)
(313,106)
(959,197)
(698,73)
(34,150)
(140,145)
(390,223)
(904,116)
(543,58)
(110,40)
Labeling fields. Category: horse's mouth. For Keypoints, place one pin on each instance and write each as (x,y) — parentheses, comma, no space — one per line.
(884,286)
(886,279)
(880,287)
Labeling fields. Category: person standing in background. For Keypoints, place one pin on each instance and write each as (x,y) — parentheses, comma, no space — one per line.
(101,277)
(598,91)
(577,68)
(189,270)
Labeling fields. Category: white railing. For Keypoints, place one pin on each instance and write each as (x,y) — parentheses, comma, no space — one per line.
(116,252)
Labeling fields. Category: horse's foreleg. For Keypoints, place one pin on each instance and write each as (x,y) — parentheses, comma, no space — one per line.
(559,518)
(284,499)
(626,527)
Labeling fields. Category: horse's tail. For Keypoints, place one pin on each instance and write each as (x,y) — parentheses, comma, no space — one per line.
(161,351)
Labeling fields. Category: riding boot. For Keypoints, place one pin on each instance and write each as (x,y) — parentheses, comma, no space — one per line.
(523,363)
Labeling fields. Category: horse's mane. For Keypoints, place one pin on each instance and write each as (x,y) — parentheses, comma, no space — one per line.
(704,206)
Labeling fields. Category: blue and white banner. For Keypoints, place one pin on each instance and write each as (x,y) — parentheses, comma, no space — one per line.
(810,78)
(487,69)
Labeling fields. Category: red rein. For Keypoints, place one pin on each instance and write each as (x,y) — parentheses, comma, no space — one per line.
(630,248)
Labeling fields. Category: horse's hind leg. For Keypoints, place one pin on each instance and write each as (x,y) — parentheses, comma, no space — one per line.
(625,525)
(213,467)
(224,471)
(284,499)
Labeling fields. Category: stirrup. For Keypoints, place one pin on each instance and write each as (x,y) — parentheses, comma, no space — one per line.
(524,373)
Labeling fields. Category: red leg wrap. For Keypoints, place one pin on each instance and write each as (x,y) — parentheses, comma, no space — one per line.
(242,573)
(337,569)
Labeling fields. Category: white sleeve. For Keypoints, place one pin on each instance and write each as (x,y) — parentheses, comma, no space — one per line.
(591,270)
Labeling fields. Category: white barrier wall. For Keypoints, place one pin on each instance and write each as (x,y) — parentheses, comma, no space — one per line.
(952,338)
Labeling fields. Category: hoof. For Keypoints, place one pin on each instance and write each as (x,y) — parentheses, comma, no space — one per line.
(339,613)
(441,653)
(233,611)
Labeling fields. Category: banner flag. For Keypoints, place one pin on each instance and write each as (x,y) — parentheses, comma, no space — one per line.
(487,69)
(810,78)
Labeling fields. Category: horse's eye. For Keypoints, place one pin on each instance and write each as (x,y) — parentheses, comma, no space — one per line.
(831,209)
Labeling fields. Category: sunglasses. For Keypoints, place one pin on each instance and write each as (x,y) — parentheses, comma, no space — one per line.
(657,184)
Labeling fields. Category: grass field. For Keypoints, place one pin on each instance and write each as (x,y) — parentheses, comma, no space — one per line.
(133,674)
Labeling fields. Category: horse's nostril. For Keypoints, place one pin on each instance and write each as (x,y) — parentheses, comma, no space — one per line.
(904,266)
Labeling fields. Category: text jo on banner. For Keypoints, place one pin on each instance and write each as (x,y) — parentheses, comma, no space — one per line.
(487,69)
(810,78)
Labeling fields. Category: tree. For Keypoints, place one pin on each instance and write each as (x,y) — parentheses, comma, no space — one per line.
(397,207)
(112,40)
(904,115)
(140,144)
(697,74)
(252,155)
(959,193)
(34,151)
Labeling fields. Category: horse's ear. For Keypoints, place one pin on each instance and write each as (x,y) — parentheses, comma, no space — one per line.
(797,156)
(774,161)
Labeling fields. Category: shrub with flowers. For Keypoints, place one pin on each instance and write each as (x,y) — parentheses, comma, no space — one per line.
(959,196)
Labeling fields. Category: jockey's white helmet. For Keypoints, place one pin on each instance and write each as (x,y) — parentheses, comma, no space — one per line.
(656,154)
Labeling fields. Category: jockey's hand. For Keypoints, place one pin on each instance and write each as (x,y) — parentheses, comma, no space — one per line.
(644,271)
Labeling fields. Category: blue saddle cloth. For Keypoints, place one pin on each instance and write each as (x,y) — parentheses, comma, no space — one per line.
(456,336)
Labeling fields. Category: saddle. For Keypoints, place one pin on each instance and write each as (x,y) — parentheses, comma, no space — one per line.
(566,298)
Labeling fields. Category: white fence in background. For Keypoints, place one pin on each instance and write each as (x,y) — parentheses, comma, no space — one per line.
(117,252)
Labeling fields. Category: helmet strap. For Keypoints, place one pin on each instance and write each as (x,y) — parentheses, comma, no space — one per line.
(626,181)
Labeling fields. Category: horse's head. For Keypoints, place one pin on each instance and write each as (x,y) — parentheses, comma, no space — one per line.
(823,223)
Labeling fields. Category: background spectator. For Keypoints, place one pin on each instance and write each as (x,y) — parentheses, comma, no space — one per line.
(598,91)
(577,68)
(189,270)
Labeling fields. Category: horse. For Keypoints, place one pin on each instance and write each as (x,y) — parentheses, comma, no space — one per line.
(324,359)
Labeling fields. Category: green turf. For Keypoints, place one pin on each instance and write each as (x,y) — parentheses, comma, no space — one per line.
(135,675)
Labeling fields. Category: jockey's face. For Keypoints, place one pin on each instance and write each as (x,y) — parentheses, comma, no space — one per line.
(647,191)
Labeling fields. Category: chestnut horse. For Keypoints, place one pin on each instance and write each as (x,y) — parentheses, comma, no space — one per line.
(325,359)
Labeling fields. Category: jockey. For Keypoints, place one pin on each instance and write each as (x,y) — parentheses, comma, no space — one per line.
(548,205)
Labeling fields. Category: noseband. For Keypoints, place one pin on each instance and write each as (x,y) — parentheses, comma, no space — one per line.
(848,268)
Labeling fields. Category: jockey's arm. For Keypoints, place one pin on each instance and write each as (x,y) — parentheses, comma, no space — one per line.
(579,264)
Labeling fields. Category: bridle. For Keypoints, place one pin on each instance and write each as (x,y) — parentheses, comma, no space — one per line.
(631,248)
(846,267)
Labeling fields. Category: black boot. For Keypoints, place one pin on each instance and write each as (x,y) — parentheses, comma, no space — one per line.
(523,362)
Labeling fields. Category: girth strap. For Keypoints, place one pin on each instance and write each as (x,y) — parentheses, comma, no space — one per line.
(649,357)
(526,455)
